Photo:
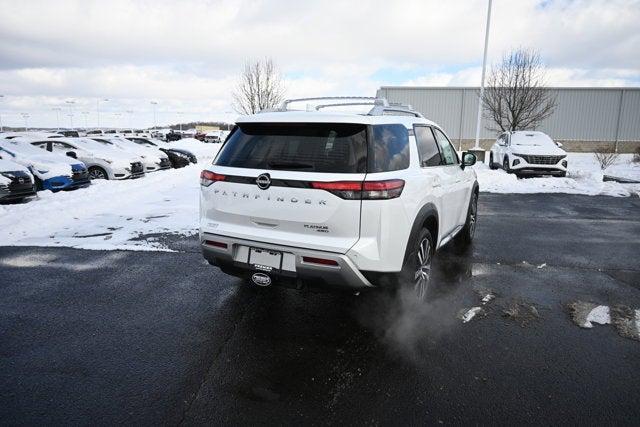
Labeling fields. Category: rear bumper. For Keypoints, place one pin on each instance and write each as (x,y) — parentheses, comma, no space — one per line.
(294,269)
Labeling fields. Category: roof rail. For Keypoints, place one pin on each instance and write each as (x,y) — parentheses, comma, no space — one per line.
(381,106)
(371,100)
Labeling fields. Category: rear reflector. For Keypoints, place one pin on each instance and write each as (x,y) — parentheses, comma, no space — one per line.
(207,178)
(365,190)
(216,244)
(321,261)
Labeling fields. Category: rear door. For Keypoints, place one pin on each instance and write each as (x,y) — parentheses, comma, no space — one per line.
(434,167)
(293,184)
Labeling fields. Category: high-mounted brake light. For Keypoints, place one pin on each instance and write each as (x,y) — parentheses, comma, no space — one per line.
(365,190)
(207,178)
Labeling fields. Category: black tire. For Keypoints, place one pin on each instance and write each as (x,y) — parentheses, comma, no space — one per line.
(415,277)
(491,164)
(505,164)
(465,236)
(96,172)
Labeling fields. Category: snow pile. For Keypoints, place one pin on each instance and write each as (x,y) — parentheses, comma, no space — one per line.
(584,177)
(109,214)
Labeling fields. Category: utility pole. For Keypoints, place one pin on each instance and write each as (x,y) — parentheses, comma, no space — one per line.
(476,147)
(57,110)
(70,103)
(155,121)
(98,101)
(130,113)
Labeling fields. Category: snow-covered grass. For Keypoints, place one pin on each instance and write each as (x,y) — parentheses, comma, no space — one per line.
(122,214)
(584,177)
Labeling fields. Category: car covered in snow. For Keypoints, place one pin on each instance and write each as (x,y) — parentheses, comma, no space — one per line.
(152,158)
(178,157)
(52,171)
(528,153)
(16,182)
(102,161)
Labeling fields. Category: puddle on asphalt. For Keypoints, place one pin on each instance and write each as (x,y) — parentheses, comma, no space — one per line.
(625,319)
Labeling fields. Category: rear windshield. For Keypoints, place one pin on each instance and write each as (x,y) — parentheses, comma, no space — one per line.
(304,147)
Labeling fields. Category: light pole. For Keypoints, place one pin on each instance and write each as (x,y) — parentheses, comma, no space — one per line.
(57,110)
(118,116)
(26,116)
(70,103)
(180,113)
(1,128)
(98,107)
(86,119)
(476,147)
(155,122)
(130,113)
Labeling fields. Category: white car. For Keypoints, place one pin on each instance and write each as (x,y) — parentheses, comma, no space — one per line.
(51,171)
(152,158)
(340,199)
(103,162)
(528,153)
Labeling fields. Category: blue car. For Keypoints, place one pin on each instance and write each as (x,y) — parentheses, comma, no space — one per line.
(52,171)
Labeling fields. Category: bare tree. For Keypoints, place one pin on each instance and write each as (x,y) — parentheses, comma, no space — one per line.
(516,97)
(605,157)
(260,87)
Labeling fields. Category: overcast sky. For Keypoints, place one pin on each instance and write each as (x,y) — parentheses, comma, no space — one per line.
(186,54)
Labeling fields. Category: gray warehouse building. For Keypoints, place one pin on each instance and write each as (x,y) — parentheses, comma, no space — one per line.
(584,118)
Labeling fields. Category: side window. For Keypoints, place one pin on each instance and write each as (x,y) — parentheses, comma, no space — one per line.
(427,146)
(389,148)
(449,155)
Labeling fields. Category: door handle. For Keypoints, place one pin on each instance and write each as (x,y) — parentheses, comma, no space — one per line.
(436,182)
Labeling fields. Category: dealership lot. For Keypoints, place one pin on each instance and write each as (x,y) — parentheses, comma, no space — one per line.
(156,337)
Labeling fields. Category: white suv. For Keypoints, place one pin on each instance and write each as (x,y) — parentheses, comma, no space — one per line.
(344,199)
(528,153)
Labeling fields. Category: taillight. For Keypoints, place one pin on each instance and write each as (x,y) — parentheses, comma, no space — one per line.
(207,178)
(366,190)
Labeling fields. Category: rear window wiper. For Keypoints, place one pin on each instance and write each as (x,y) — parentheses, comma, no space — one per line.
(290,165)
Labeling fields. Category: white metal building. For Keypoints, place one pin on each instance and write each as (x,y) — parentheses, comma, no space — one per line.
(582,114)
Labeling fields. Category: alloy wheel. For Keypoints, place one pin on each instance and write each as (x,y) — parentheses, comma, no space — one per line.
(97,174)
(473,212)
(423,273)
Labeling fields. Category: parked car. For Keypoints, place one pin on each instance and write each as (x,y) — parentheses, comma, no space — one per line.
(528,153)
(103,162)
(16,182)
(339,199)
(213,137)
(69,133)
(179,157)
(152,158)
(172,136)
(51,171)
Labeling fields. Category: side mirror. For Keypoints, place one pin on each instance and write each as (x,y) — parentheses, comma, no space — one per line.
(559,145)
(72,154)
(468,159)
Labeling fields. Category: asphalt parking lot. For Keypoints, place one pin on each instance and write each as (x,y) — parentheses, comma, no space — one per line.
(96,337)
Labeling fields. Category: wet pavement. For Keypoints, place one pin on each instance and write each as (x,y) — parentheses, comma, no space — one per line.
(93,337)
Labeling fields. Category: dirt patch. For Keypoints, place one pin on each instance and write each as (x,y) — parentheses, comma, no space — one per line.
(521,312)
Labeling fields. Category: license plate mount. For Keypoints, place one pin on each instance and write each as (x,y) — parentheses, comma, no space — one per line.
(265,259)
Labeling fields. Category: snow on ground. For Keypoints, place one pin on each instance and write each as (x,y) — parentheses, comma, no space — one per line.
(127,214)
(584,177)
(110,214)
